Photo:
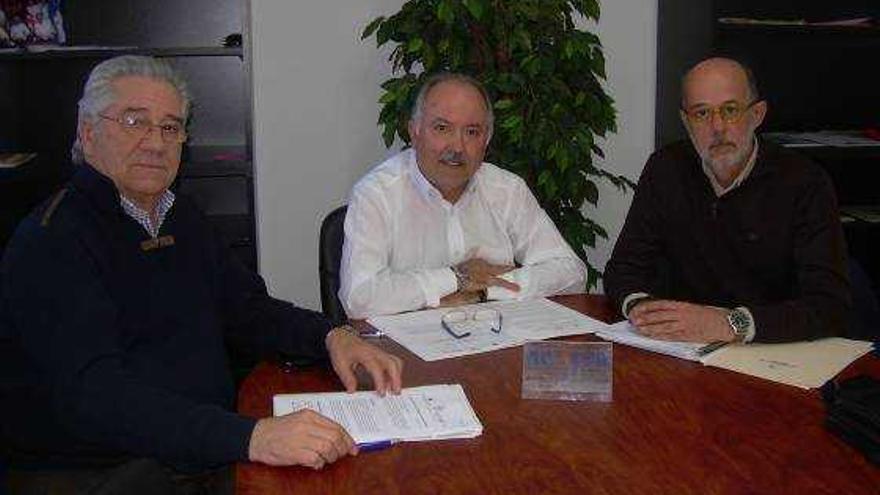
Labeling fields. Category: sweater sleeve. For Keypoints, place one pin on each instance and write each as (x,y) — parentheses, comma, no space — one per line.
(821,303)
(71,332)
(262,325)
(632,267)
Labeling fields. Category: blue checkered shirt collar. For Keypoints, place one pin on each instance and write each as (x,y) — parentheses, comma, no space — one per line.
(143,217)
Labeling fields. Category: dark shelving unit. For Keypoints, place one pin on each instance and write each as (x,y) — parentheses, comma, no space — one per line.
(114,51)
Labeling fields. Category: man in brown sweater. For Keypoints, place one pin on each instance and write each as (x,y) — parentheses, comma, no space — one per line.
(730,238)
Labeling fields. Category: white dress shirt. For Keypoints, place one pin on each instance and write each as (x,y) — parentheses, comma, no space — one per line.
(402,237)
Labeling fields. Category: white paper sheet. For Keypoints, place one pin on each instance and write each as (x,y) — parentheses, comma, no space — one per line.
(625,333)
(419,413)
(536,319)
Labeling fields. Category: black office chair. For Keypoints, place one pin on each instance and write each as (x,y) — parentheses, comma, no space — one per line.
(329,257)
(865,319)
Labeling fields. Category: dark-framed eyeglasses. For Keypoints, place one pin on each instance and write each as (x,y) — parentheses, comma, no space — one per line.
(461,324)
(730,112)
(138,125)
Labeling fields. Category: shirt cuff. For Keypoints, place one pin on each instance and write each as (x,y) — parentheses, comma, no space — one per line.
(630,298)
(520,277)
(436,284)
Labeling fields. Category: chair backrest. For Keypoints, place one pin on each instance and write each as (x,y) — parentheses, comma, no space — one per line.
(329,257)
(865,320)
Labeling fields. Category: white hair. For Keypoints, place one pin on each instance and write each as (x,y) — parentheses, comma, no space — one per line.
(442,77)
(99,94)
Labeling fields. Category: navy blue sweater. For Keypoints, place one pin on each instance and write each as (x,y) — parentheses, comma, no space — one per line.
(110,351)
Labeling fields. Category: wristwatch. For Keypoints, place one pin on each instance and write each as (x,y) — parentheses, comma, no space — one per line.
(740,321)
(462,278)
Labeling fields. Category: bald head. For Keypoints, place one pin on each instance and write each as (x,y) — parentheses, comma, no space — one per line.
(721,110)
(715,71)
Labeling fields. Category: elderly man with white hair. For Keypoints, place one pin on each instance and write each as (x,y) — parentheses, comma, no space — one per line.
(117,298)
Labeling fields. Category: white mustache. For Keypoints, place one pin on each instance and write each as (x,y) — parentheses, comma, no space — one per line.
(451,157)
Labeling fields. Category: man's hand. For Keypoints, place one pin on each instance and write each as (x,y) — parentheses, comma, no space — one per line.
(480,275)
(302,438)
(348,352)
(459,298)
(675,320)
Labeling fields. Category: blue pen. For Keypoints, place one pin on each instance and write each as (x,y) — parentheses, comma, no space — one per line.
(373,446)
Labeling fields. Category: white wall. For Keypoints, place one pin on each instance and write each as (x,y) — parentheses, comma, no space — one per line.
(315,86)
(628,30)
(315,90)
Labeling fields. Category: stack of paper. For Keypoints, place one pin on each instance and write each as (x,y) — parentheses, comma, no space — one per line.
(12,160)
(422,333)
(801,364)
(624,333)
(419,413)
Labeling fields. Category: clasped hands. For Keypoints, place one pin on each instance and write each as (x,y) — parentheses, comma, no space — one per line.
(477,276)
(305,437)
(682,321)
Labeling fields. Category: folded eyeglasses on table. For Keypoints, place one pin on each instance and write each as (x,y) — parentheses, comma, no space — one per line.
(461,324)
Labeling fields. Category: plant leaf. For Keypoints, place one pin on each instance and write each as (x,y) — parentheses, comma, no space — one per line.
(415,45)
(476,7)
(372,27)
(445,12)
(503,104)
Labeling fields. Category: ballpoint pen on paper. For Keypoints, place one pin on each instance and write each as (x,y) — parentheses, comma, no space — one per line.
(372,333)
(373,446)
(714,346)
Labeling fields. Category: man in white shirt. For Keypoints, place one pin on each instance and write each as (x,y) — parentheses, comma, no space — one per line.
(436,226)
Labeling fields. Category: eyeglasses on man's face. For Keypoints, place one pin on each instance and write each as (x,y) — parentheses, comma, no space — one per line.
(461,324)
(730,112)
(138,126)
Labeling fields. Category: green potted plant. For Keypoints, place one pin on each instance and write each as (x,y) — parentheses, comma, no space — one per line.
(544,76)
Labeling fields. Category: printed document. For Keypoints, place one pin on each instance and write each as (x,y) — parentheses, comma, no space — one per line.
(431,412)
(801,364)
(422,333)
(625,333)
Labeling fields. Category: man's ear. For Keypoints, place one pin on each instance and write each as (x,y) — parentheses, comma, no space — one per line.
(412,129)
(86,136)
(759,110)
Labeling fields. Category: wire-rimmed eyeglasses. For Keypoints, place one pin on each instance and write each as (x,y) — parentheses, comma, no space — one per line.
(730,112)
(138,125)
(460,323)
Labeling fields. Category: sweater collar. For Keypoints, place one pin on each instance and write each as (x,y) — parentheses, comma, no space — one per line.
(97,187)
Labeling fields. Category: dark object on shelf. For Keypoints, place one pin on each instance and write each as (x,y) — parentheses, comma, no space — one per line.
(854,413)
(233,39)
(31,23)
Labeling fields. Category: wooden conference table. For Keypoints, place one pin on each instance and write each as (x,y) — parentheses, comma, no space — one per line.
(673,427)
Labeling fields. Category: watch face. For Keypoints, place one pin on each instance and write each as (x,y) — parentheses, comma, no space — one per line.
(739,320)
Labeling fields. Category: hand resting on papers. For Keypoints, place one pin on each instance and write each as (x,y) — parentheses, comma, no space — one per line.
(675,320)
(302,438)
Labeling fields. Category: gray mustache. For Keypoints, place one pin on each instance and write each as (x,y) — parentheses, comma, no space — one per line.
(451,157)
